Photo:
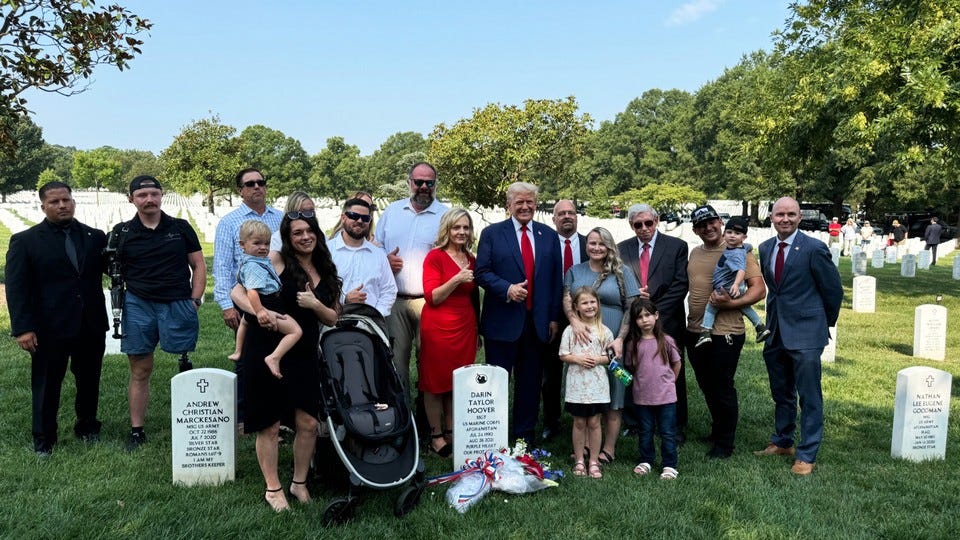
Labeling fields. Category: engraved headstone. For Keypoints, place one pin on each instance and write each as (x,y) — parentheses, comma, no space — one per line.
(930,332)
(892,254)
(859,262)
(480,411)
(923,259)
(956,267)
(835,254)
(854,250)
(829,353)
(877,261)
(908,265)
(921,413)
(865,294)
(203,426)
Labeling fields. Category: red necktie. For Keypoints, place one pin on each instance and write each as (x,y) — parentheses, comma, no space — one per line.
(526,253)
(644,264)
(567,256)
(778,264)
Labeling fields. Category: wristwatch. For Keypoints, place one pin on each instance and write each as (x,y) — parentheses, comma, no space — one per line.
(197,301)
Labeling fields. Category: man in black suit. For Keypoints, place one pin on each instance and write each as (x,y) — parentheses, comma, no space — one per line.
(57,312)
(662,274)
(573,250)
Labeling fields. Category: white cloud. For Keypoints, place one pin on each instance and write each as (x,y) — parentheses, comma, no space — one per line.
(691,11)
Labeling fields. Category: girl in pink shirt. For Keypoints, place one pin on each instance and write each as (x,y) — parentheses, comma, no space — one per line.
(655,360)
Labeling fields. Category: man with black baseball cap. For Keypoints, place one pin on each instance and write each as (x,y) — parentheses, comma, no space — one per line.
(162,265)
(715,359)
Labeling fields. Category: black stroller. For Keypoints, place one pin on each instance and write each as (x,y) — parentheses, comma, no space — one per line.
(370,425)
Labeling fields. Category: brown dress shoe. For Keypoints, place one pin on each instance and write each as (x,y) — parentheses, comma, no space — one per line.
(774,450)
(801,468)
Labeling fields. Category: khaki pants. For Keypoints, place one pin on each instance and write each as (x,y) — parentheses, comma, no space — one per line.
(404,326)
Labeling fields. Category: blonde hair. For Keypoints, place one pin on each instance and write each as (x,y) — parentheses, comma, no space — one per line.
(446,224)
(296,200)
(252,228)
(582,291)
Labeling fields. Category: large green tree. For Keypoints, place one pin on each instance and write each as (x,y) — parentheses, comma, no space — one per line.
(501,144)
(54,46)
(336,170)
(100,168)
(281,159)
(203,158)
(385,170)
(21,169)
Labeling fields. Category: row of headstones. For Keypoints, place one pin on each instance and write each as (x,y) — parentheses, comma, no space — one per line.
(909,265)
(929,321)
(203,418)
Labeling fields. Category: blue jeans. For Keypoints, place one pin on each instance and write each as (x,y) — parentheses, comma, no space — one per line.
(710,313)
(663,417)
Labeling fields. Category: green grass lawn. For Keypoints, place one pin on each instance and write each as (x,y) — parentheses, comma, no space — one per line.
(857,490)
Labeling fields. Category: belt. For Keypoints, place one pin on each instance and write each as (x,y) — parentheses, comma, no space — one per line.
(410,296)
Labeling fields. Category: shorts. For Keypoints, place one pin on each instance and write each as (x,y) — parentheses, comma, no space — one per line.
(175,325)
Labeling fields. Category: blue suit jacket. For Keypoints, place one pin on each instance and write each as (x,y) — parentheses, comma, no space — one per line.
(499,265)
(807,301)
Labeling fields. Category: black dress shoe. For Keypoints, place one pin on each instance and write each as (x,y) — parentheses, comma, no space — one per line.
(719,452)
(550,432)
(42,448)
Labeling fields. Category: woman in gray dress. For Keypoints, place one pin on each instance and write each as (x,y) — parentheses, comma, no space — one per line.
(617,287)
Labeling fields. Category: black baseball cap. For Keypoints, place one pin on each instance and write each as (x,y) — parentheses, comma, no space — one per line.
(737,224)
(144,181)
(703,214)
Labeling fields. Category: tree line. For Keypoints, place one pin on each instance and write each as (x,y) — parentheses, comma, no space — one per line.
(857,102)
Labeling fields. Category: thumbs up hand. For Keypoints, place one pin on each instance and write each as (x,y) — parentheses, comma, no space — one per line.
(396,263)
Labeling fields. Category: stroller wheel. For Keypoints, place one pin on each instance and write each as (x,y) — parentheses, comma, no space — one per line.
(339,511)
(408,500)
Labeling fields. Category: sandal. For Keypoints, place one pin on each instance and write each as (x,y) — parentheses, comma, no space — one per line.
(606,458)
(445,450)
(669,473)
(579,469)
(642,469)
(279,504)
(595,470)
(303,500)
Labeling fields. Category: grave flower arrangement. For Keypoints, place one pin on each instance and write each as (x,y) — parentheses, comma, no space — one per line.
(510,470)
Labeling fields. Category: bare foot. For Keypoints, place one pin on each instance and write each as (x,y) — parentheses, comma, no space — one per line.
(276,499)
(273,363)
(299,490)
(235,356)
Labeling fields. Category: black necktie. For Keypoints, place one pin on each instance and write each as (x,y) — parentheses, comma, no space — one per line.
(70,248)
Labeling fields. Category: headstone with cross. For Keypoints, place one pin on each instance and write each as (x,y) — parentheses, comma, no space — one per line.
(203,426)
(930,332)
(480,411)
(921,413)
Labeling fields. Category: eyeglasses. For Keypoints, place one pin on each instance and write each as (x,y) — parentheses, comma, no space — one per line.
(641,224)
(421,183)
(355,216)
(251,183)
(298,215)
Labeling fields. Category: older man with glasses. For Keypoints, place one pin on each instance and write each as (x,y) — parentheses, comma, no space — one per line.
(363,267)
(226,248)
(659,262)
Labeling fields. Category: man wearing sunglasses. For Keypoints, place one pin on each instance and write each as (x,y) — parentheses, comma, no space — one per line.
(407,231)
(226,249)
(363,267)
(659,262)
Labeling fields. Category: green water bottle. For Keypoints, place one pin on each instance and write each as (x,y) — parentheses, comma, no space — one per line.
(618,371)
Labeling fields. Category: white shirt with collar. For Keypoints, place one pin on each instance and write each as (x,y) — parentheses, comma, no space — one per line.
(516,227)
(786,250)
(574,246)
(366,265)
(652,242)
(414,233)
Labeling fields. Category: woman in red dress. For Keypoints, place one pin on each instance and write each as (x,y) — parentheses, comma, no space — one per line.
(448,324)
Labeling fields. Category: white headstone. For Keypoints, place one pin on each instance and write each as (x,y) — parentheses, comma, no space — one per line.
(930,332)
(923,259)
(908,265)
(829,353)
(203,426)
(865,294)
(956,267)
(921,414)
(859,261)
(835,254)
(892,254)
(480,411)
(855,249)
(877,261)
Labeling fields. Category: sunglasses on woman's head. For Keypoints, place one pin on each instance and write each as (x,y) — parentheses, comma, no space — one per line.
(298,215)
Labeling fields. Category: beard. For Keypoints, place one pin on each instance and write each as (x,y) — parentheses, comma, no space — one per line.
(356,233)
(423,199)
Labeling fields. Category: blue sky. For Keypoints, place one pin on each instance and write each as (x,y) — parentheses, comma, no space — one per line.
(364,70)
